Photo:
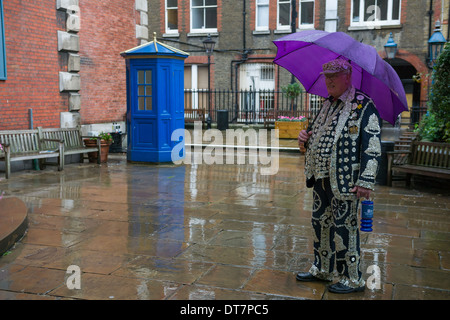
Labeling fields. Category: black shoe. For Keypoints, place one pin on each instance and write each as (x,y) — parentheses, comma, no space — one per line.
(306,276)
(342,288)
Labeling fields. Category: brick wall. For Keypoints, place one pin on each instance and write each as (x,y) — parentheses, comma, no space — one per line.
(32,65)
(33,61)
(107,29)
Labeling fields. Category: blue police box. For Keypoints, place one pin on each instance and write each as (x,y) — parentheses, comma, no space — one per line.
(155,100)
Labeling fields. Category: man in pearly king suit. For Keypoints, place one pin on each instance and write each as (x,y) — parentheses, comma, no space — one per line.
(342,159)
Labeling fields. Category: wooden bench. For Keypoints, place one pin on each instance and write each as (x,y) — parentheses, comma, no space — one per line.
(423,158)
(192,115)
(402,148)
(73,141)
(19,145)
(272,115)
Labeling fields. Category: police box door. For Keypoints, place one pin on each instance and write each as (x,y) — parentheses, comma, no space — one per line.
(144,117)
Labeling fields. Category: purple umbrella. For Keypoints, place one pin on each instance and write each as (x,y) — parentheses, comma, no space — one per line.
(303,54)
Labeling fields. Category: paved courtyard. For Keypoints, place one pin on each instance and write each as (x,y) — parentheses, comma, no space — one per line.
(199,231)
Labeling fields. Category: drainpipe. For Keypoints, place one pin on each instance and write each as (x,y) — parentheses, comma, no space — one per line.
(236,68)
(244,57)
(35,161)
(243,26)
(293,24)
(448,27)
(430,22)
(293,16)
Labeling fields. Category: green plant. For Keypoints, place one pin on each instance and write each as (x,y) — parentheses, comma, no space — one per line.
(430,128)
(292,91)
(440,90)
(104,136)
(434,126)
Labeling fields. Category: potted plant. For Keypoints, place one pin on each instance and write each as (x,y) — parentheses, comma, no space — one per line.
(105,141)
(292,91)
(290,127)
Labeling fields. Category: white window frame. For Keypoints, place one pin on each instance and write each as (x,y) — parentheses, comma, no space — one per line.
(170,31)
(283,27)
(305,25)
(374,22)
(259,5)
(203,30)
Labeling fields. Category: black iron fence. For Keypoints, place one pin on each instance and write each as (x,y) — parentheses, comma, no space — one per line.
(249,106)
(252,106)
(418,111)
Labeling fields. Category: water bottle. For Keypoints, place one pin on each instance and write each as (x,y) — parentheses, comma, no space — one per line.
(366,215)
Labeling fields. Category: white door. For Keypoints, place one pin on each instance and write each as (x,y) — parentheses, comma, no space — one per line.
(258,80)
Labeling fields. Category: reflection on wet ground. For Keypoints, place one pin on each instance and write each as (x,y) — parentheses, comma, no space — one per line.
(199,231)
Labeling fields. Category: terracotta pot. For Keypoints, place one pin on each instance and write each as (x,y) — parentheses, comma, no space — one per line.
(104,145)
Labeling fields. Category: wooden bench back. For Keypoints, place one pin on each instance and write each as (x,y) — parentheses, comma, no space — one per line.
(431,154)
(71,136)
(21,141)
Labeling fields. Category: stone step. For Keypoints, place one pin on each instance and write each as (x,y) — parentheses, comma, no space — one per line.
(13,222)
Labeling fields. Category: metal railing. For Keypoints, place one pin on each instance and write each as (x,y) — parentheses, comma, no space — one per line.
(249,106)
(252,106)
(418,111)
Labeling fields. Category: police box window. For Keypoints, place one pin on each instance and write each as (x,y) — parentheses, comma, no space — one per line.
(145,90)
(204,16)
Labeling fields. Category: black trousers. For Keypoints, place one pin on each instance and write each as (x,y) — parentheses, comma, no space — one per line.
(336,236)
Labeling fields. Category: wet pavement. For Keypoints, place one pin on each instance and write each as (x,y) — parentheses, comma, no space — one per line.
(200,232)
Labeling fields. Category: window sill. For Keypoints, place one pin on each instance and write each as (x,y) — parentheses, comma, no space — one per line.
(171,35)
(203,34)
(261,32)
(282,31)
(306,27)
(372,27)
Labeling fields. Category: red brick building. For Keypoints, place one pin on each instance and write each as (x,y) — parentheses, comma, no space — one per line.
(244,32)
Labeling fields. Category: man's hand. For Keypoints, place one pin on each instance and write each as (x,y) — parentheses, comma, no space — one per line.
(361,192)
(303,137)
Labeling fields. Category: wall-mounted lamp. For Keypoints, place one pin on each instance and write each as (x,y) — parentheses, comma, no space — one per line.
(435,45)
(390,47)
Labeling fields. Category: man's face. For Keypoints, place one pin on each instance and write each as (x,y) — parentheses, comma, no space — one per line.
(337,83)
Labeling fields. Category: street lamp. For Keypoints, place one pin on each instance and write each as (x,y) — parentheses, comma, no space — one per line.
(435,45)
(390,47)
(209,44)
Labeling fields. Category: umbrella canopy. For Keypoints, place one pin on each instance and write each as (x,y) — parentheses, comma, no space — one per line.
(303,54)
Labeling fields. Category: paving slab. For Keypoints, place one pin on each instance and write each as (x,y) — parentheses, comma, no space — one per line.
(207,231)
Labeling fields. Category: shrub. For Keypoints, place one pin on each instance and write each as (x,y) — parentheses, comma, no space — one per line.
(435,125)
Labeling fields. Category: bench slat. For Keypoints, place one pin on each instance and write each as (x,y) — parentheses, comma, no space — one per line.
(427,158)
(43,143)
(26,145)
